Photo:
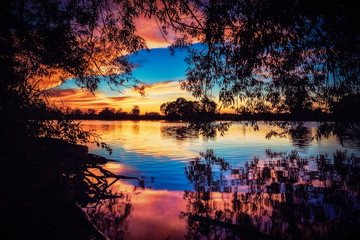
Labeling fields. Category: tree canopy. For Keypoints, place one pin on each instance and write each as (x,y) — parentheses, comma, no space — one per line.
(287,56)
(43,43)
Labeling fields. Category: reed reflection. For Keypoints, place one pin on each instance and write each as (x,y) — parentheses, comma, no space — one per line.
(283,196)
(111,217)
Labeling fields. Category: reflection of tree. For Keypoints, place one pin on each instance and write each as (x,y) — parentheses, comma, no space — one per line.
(195,129)
(200,174)
(282,196)
(301,136)
(345,132)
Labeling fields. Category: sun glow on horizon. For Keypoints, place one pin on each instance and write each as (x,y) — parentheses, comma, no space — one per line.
(155,95)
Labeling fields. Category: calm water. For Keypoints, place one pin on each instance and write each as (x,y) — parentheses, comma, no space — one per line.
(239,185)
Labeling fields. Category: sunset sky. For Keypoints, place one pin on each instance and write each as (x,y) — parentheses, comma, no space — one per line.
(158,70)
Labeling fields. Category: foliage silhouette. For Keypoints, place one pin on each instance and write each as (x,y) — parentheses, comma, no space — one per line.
(107,113)
(287,56)
(310,53)
(46,42)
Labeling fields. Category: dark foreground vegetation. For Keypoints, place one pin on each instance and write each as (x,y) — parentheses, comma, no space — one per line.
(47,183)
(283,57)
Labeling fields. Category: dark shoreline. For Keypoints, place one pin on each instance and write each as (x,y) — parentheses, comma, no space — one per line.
(44,191)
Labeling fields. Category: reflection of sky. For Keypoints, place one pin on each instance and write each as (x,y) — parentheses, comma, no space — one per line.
(147,151)
(145,148)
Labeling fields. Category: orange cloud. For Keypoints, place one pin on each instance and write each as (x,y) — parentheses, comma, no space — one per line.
(155,95)
(149,30)
(82,99)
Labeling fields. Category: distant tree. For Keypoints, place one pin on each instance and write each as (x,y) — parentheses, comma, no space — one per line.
(135,111)
(91,112)
(77,113)
(180,109)
(189,110)
(119,111)
(107,113)
(152,114)
(208,108)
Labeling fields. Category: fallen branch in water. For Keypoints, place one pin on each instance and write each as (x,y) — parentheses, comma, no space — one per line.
(246,232)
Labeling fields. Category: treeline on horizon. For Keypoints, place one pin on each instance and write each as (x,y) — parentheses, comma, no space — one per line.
(182,109)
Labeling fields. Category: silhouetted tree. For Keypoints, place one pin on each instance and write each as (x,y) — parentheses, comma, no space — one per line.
(289,55)
(91,112)
(45,42)
(77,113)
(180,109)
(189,110)
(107,113)
(208,109)
(119,111)
(152,114)
(135,111)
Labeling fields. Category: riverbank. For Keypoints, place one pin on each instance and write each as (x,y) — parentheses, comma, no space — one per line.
(45,183)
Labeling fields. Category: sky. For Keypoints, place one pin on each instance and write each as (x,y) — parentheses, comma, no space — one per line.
(156,69)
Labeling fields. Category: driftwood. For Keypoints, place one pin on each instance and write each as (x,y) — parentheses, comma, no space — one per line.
(244,232)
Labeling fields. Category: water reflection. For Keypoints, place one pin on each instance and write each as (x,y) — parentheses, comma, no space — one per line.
(281,196)
(111,216)
(136,128)
(177,141)
(301,134)
(247,193)
(207,130)
(142,214)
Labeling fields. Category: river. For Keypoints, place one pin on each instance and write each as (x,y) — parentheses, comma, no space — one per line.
(232,184)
